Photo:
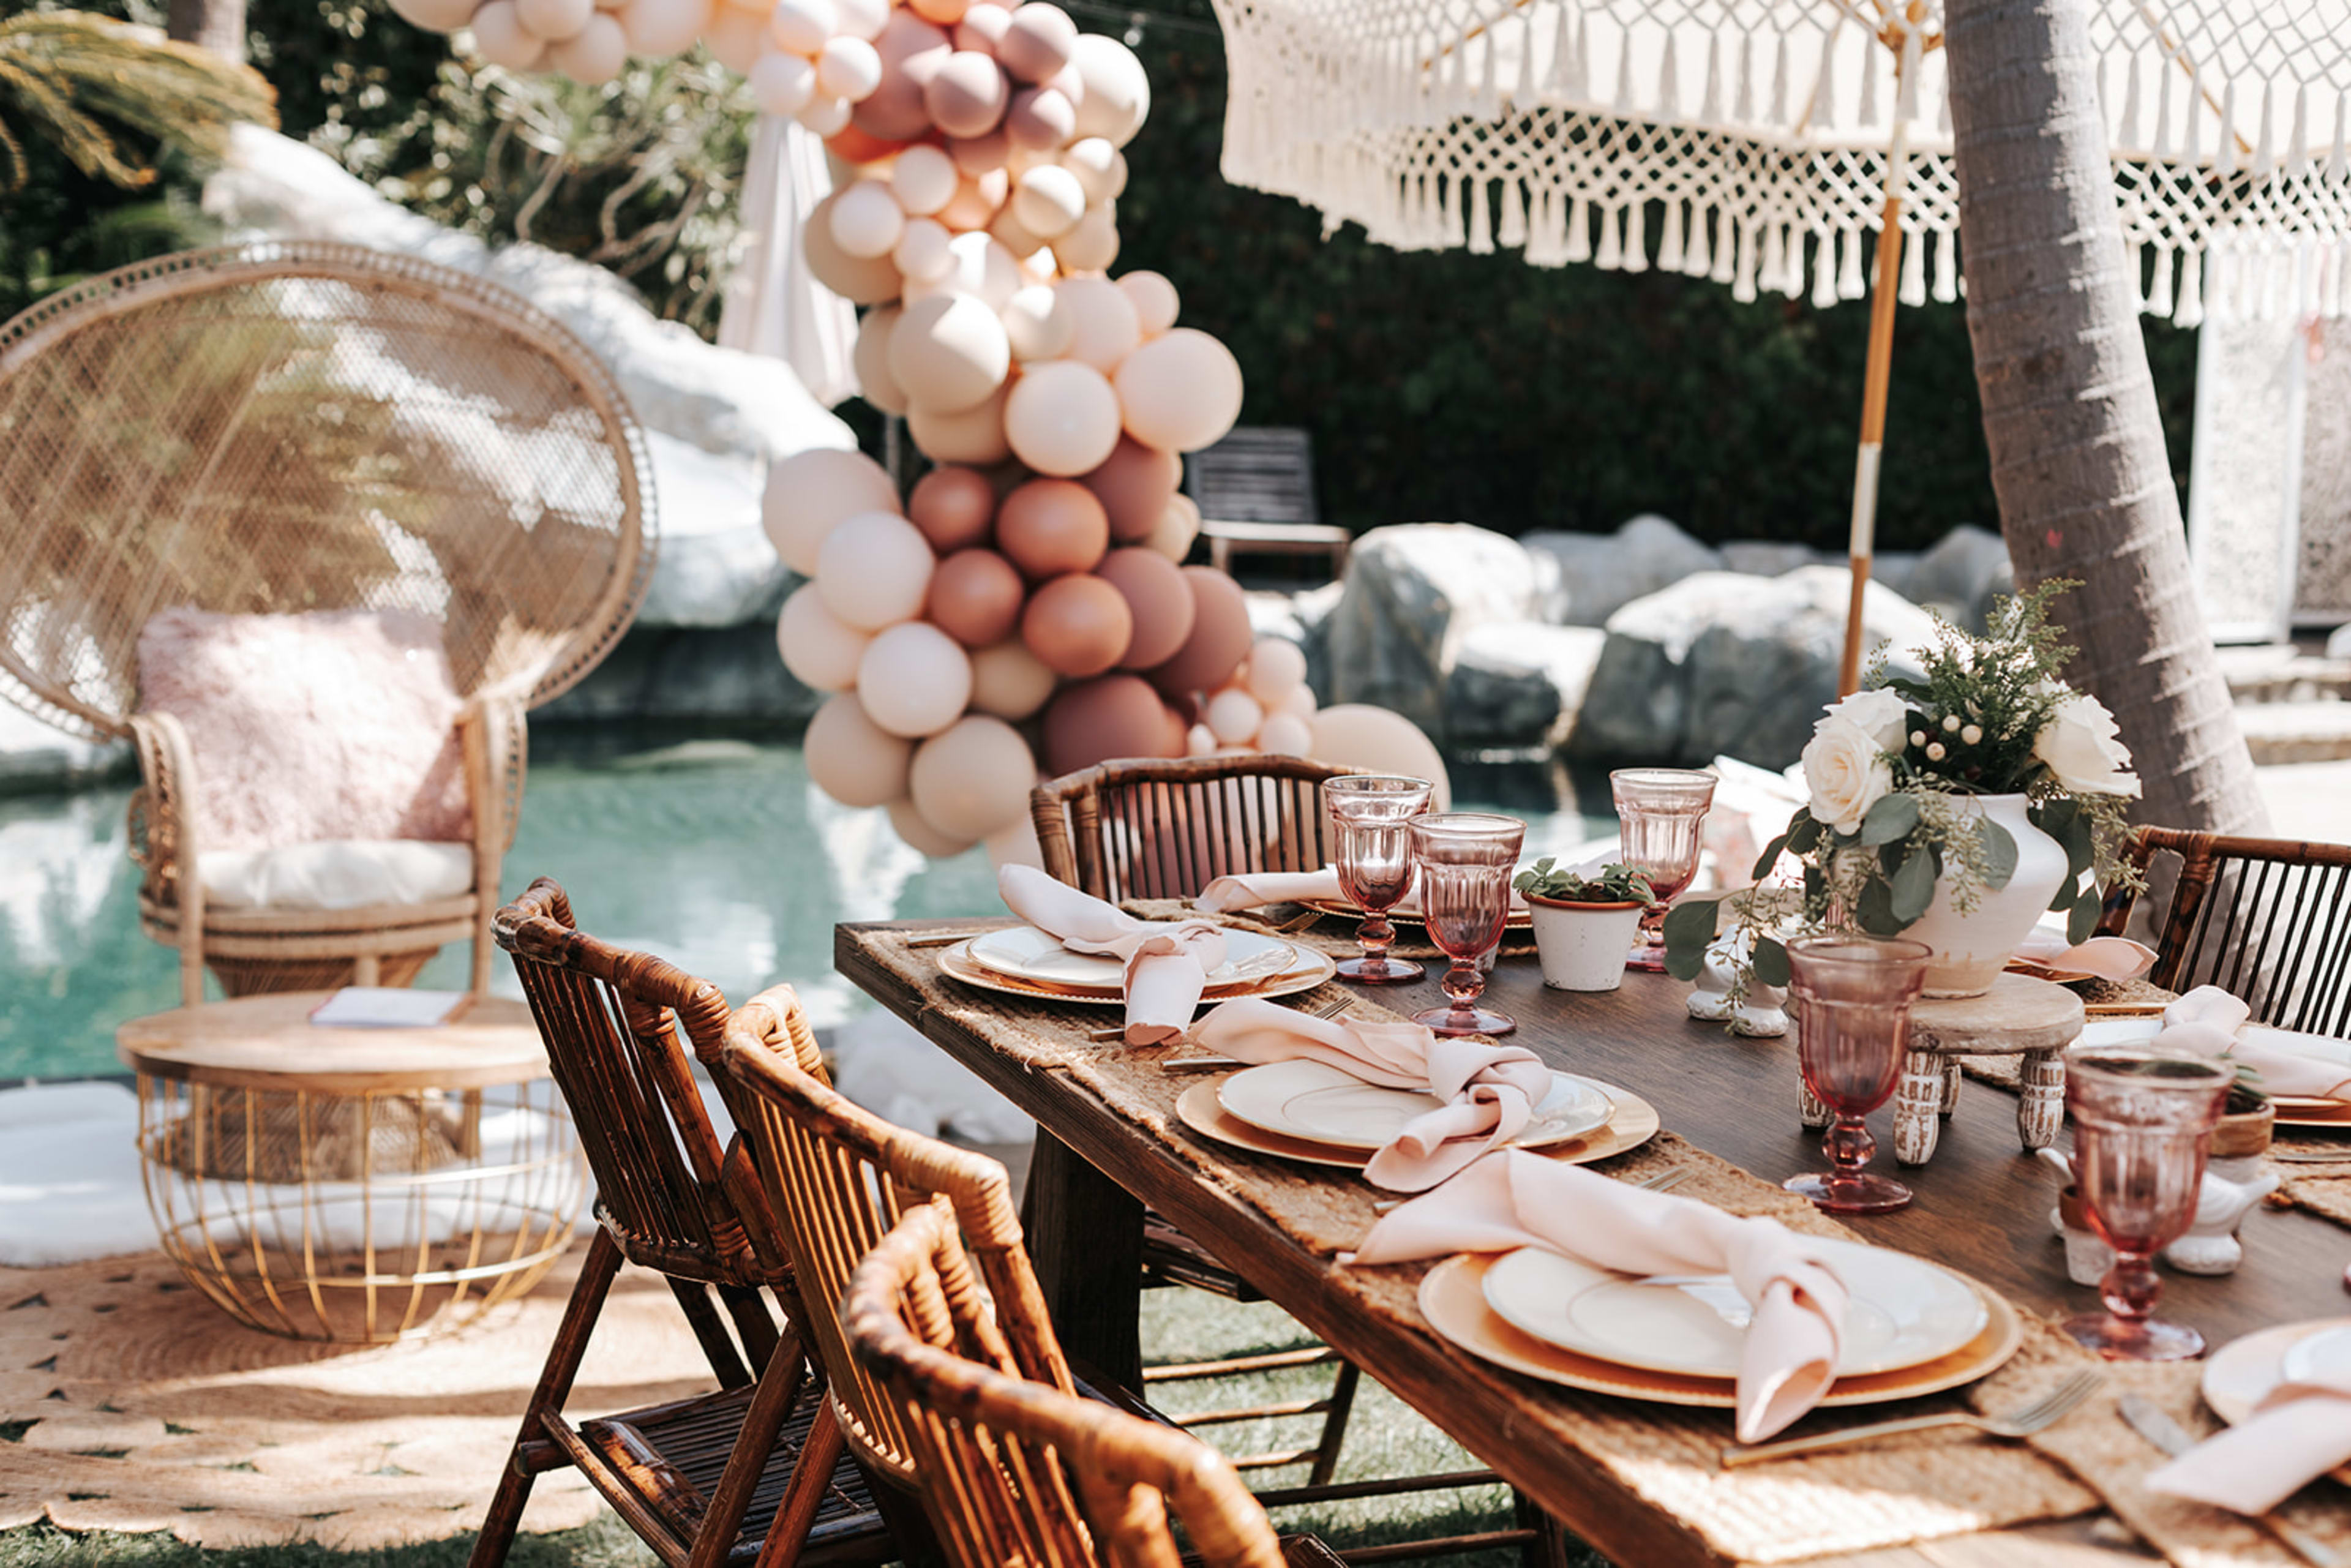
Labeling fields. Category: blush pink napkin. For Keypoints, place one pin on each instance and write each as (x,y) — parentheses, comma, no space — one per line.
(2301,1431)
(1516,1199)
(1249,889)
(2209,1021)
(1489,1091)
(2108,957)
(1168,963)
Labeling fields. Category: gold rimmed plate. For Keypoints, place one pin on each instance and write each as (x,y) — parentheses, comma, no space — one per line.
(1410,913)
(2242,1373)
(1633,1123)
(2293,1111)
(1307,968)
(1453,1300)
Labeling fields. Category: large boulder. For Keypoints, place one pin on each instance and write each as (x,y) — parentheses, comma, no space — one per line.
(1520,683)
(716,567)
(1412,592)
(718,675)
(1603,572)
(1961,575)
(1722,662)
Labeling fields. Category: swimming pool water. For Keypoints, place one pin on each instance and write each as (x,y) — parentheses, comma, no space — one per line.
(719,855)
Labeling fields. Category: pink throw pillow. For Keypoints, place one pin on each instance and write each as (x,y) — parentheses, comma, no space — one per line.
(324,725)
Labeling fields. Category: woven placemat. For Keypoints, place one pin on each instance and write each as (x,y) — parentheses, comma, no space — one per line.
(1332,934)
(138,1406)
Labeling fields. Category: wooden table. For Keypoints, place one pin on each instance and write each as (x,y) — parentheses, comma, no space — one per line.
(1982,1207)
(331,1183)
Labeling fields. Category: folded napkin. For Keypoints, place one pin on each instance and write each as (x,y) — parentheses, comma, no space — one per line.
(1490,1090)
(1167,962)
(2108,957)
(2301,1431)
(2209,1021)
(1248,889)
(1520,1199)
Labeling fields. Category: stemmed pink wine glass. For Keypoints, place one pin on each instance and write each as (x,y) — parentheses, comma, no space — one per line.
(2143,1121)
(1466,859)
(1658,812)
(1852,997)
(1374,856)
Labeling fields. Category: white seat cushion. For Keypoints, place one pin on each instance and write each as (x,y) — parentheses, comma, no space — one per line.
(336,873)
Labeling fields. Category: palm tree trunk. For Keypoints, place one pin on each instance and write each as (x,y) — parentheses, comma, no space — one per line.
(215,25)
(2069,410)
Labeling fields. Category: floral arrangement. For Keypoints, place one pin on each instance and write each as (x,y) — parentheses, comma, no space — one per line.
(1612,883)
(1893,771)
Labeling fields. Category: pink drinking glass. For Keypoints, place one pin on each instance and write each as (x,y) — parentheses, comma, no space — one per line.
(1374,856)
(1852,997)
(2143,1121)
(1465,859)
(1659,811)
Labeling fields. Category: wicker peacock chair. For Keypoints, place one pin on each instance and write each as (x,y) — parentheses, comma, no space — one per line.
(296,444)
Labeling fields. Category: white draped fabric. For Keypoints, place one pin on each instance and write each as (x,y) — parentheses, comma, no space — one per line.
(774,305)
(1761,130)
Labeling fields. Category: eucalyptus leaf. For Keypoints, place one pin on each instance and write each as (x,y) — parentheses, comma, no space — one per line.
(1892,818)
(1999,854)
(1768,858)
(1689,926)
(1874,910)
(2085,918)
(2068,890)
(2081,845)
(1771,962)
(1913,888)
(2052,817)
(1804,833)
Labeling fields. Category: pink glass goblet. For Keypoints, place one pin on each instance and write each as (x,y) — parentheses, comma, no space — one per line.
(1852,997)
(2143,1121)
(1372,853)
(1659,811)
(1465,859)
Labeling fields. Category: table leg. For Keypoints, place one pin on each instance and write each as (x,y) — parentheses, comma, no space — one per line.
(1810,1108)
(1917,1107)
(1950,1087)
(2040,1107)
(1085,1236)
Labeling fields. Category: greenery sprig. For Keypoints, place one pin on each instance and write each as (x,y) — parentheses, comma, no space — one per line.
(1612,883)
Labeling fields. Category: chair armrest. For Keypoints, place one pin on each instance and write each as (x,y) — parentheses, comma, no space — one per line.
(164,838)
(495,733)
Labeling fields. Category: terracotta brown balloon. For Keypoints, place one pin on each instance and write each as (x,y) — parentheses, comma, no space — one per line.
(1219,639)
(1093,721)
(1049,527)
(976,597)
(1158,598)
(1134,484)
(953,507)
(1079,625)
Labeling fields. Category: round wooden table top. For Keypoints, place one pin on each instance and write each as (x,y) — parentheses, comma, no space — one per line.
(269,1042)
(2017,1015)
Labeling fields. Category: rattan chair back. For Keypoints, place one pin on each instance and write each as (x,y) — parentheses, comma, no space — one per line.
(838,1177)
(284,427)
(2268,920)
(1014,1473)
(1159,828)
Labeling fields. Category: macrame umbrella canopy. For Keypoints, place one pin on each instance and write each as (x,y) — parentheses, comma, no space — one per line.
(1764,130)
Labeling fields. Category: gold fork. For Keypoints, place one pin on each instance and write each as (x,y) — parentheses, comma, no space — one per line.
(2041,1413)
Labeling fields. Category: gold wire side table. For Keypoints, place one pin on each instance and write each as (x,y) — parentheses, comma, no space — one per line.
(354,1185)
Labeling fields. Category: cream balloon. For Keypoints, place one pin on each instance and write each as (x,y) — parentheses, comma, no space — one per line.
(1049,201)
(1040,119)
(1180,392)
(802,26)
(1037,324)
(861,19)
(659,28)
(974,779)
(1285,735)
(811,493)
(1199,741)
(1299,702)
(1040,40)
(968,95)
(441,15)
(783,83)
(861,281)
(922,251)
(913,680)
(982,27)
(1010,681)
(977,155)
(1277,667)
(1177,530)
(1061,417)
(976,197)
(1093,244)
(826,117)
(1233,716)
(1092,160)
(985,270)
(1154,300)
(909,824)
(846,68)
(554,20)
(736,38)
(924,180)
(596,56)
(817,647)
(865,219)
(875,570)
(1014,845)
(1118,93)
(1106,328)
(1007,229)
(853,759)
(949,351)
(870,359)
(500,38)
(1362,735)
(972,436)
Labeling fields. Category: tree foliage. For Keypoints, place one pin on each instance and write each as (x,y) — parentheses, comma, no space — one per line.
(77,80)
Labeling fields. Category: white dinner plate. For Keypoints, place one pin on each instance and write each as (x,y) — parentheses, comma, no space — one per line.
(1026,953)
(1315,1100)
(1905,1310)
(2242,1373)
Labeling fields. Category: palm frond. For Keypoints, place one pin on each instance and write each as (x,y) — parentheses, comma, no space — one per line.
(75,77)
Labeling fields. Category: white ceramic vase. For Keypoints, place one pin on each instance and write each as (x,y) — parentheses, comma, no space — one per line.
(1582,946)
(1971,949)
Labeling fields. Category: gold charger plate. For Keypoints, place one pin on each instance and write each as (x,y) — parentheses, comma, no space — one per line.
(1634,1122)
(1453,1300)
(1313,968)
(1518,919)
(2295,1112)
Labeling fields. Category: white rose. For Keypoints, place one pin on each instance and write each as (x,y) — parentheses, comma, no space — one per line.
(2078,746)
(1881,715)
(1846,772)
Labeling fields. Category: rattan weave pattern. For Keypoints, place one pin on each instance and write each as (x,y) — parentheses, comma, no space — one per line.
(285,428)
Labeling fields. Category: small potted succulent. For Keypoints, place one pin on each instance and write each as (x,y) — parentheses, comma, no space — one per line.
(1584,924)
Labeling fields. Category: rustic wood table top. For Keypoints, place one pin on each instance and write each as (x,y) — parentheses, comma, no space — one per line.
(269,1042)
(1982,1208)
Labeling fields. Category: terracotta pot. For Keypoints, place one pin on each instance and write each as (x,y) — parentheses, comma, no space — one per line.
(1582,946)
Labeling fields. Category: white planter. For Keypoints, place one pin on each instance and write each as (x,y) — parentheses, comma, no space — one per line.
(1971,950)
(1582,946)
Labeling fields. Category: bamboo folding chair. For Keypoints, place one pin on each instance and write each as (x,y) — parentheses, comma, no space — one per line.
(2268,920)
(702,1480)
(1017,1473)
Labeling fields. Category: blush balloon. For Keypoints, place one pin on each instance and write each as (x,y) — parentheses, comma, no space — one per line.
(1117,92)
(1093,721)
(817,647)
(1040,118)
(1049,201)
(1062,418)
(912,51)
(1038,41)
(875,570)
(976,598)
(861,281)
(949,352)
(1049,527)
(811,493)
(802,26)
(1135,485)
(859,19)
(1010,681)
(596,55)
(1038,324)
(1285,735)
(1092,246)
(974,435)
(968,95)
(982,27)
(500,38)
(924,180)
(1276,668)
(448,16)
(736,38)
(1107,328)
(848,67)
(1232,715)
(945,13)
(909,824)
(1180,392)
(825,117)
(952,507)
(1154,300)
(1157,597)
(913,680)
(979,154)
(554,20)
(1219,640)
(976,200)
(974,779)
(662,27)
(866,219)
(1078,625)
(853,759)
(1177,528)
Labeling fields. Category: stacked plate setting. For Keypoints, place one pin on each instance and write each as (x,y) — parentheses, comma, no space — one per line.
(1025,961)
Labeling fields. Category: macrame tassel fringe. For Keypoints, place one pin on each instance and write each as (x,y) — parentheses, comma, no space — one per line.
(2189,311)
(1914,270)
(1848,284)
(1947,267)
(1579,231)
(1513,232)
(1743,288)
(1481,225)
(2159,287)
(1670,243)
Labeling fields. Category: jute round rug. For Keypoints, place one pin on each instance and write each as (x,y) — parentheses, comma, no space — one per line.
(130,1402)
